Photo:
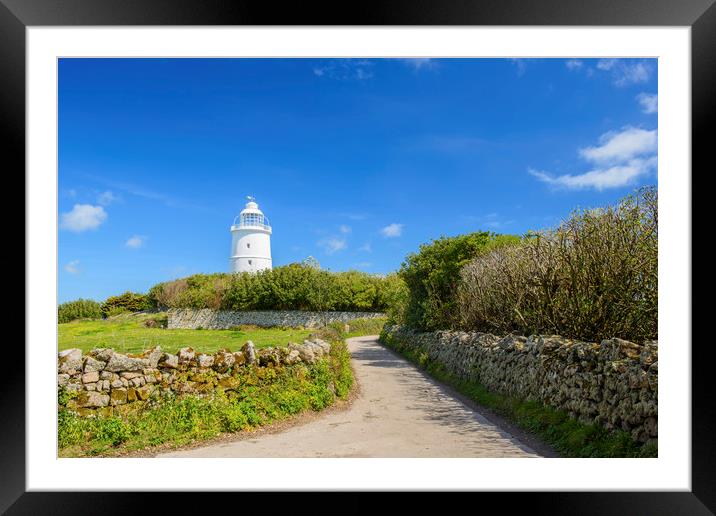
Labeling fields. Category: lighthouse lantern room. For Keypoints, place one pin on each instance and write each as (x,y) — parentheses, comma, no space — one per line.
(250,240)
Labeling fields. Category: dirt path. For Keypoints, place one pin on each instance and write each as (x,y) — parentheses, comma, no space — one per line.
(400,412)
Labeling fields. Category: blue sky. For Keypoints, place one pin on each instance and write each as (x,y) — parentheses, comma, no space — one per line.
(355,161)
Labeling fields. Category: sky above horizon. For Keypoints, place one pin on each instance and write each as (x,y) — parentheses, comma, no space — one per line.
(356,162)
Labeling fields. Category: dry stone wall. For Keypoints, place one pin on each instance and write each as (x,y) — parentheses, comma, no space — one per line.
(613,383)
(103,381)
(208,319)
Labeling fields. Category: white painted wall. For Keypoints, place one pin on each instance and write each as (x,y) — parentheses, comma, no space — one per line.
(250,249)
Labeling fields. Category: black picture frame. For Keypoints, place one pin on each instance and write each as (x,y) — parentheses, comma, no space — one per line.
(700,15)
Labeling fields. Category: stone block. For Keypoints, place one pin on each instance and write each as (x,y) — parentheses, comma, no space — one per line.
(120,362)
(90,399)
(249,352)
(205,361)
(118,396)
(92,365)
(91,377)
(69,361)
(185,355)
(169,361)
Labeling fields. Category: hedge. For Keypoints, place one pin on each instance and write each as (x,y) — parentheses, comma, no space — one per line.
(78,309)
(592,278)
(432,276)
(290,287)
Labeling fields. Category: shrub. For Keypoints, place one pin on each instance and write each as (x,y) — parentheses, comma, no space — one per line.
(394,296)
(79,309)
(593,277)
(129,302)
(112,430)
(291,287)
(432,276)
(165,295)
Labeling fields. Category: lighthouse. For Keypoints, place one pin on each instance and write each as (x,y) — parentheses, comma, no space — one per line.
(250,240)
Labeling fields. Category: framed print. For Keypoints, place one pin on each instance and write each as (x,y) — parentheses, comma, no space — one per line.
(413,249)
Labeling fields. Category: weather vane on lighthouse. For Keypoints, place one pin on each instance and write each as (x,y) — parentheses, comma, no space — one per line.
(250,240)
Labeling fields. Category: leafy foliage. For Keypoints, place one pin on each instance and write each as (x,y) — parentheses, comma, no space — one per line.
(129,302)
(432,276)
(78,309)
(594,277)
(296,286)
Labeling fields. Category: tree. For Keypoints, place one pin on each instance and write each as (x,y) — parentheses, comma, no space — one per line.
(432,276)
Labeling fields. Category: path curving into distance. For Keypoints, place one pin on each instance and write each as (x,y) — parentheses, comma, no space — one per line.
(399,412)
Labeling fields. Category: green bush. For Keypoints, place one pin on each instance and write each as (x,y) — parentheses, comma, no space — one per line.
(289,287)
(127,302)
(594,277)
(432,276)
(79,309)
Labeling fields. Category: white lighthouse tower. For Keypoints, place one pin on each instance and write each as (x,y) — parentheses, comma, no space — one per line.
(250,240)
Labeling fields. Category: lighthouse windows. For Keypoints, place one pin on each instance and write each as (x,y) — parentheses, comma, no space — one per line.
(249,262)
(252,219)
(248,244)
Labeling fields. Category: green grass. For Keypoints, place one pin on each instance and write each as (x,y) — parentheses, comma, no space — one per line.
(128,334)
(569,437)
(265,395)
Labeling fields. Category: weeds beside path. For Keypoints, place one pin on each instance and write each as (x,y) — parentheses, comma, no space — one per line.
(569,437)
(400,413)
(265,399)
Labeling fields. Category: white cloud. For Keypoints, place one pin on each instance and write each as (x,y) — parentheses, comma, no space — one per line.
(600,179)
(521,65)
(366,248)
(83,217)
(620,159)
(345,69)
(574,64)
(136,241)
(617,147)
(355,216)
(419,63)
(392,230)
(106,198)
(72,267)
(345,229)
(139,191)
(649,102)
(364,265)
(606,64)
(333,244)
(362,73)
(626,72)
(632,74)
